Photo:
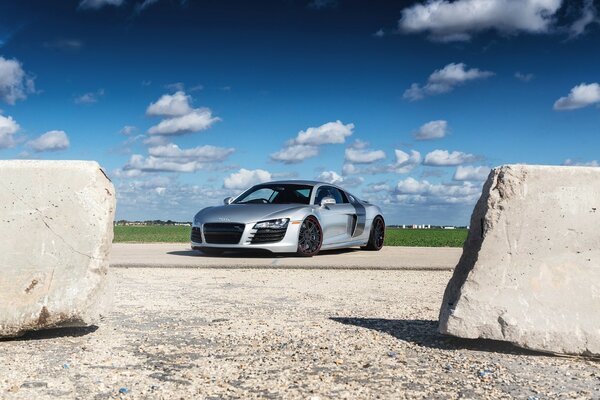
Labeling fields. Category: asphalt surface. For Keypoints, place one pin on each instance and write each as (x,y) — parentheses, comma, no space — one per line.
(174,255)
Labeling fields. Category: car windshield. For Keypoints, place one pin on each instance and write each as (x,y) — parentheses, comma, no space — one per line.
(276,194)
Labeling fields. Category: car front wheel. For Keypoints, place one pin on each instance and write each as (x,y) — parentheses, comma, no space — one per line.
(310,238)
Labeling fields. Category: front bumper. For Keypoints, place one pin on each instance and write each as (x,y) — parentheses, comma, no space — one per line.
(289,243)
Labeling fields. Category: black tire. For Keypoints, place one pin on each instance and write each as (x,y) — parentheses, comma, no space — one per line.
(310,238)
(377,235)
(212,252)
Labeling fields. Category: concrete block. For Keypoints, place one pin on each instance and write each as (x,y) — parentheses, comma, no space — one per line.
(530,269)
(56,230)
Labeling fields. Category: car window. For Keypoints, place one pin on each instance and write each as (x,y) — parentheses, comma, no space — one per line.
(276,194)
(330,191)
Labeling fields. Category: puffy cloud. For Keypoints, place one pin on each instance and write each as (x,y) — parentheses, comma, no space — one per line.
(432,130)
(329,133)
(96,4)
(458,20)
(181,117)
(90,97)
(50,141)
(335,179)
(445,80)
(574,163)
(443,158)
(171,158)
(363,156)
(580,96)
(295,153)
(405,162)
(197,120)
(470,173)
(15,84)
(306,143)
(8,128)
(412,191)
(245,178)
(170,105)
(201,154)
(330,177)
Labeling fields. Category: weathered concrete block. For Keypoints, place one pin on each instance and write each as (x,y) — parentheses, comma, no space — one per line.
(56,229)
(530,269)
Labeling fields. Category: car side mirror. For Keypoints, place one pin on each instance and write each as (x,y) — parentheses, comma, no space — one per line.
(327,201)
(228,200)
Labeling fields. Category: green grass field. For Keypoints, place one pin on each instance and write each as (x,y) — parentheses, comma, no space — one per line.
(393,236)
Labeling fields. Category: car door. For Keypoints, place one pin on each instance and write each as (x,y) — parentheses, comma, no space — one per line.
(336,218)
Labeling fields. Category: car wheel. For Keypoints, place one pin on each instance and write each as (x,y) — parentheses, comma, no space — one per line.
(212,252)
(310,238)
(377,235)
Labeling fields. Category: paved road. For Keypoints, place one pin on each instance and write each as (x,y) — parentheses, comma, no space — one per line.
(174,255)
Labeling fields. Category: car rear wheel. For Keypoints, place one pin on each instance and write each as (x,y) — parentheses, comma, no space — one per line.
(377,236)
(310,238)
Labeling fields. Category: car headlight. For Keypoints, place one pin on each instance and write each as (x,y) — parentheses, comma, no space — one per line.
(273,224)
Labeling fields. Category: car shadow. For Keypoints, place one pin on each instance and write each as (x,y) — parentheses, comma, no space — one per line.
(257,253)
(425,333)
(52,333)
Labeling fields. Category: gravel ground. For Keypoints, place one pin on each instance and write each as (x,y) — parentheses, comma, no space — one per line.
(178,333)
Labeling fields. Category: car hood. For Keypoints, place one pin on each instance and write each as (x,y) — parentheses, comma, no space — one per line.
(246,213)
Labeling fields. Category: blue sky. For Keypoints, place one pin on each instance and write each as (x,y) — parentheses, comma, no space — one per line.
(407,104)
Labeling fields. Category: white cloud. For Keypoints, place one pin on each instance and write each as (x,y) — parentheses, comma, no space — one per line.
(8,128)
(458,20)
(588,16)
(405,162)
(329,133)
(197,120)
(330,177)
(379,34)
(245,178)
(50,141)
(432,130)
(155,141)
(412,191)
(443,158)
(295,153)
(574,163)
(201,154)
(580,96)
(445,80)
(181,117)
(335,179)
(90,97)
(128,130)
(170,105)
(15,84)
(470,173)
(171,158)
(306,143)
(524,77)
(96,4)
(363,156)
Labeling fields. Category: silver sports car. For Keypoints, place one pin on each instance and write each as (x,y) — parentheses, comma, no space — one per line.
(300,217)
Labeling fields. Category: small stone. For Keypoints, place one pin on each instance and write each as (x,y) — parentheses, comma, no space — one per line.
(123,390)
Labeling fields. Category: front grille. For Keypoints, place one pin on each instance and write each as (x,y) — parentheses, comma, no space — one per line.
(268,235)
(196,235)
(223,233)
